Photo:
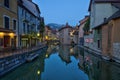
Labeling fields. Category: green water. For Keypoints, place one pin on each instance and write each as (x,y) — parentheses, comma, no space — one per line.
(65,63)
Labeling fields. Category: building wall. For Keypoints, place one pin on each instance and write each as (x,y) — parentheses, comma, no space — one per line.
(116,30)
(116,39)
(11,13)
(111,40)
(75,39)
(81,34)
(105,40)
(66,36)
(101,8)
(28,26)
(81,31)
(97,17)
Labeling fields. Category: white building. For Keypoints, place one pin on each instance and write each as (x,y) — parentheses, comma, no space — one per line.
(29,20)
(64,35)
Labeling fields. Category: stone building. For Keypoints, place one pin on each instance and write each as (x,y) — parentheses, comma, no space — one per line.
(65,35)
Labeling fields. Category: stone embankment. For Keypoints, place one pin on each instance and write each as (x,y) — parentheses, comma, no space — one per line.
(11,60)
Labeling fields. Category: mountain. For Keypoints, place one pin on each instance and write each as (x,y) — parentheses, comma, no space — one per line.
(55,25)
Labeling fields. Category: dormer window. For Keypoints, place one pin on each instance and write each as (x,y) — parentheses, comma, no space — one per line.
(6,3)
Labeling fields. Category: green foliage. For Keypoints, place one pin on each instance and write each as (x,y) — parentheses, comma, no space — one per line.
(42,27)
(86,27)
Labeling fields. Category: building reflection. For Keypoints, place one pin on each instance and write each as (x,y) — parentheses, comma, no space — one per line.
(51,50)
(64,53)
(96,68)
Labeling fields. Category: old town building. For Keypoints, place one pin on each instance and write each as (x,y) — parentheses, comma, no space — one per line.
(29,23)
(8,24)
(66,34)
(96,9)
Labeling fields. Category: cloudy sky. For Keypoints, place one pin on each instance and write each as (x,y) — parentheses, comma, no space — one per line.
(62,11)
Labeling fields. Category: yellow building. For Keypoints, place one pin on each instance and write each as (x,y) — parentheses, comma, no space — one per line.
(8,23)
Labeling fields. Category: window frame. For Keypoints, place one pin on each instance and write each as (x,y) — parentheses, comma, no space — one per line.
(4,21)
(7,5)
(13,24)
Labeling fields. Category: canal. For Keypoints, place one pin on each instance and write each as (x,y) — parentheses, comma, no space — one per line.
(66,63)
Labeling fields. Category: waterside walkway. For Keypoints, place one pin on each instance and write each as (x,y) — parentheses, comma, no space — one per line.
(19,51)
(11,60)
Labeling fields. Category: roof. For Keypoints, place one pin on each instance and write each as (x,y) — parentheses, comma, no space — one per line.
(114,16)
(75,33)
(117,5)
(83,20)
(31,7)
(66,26)
(103,1)
(107,0)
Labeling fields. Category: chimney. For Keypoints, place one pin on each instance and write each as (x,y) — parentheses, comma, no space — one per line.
(105,19)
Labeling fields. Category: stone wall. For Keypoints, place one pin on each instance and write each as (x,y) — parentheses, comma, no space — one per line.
(116,50)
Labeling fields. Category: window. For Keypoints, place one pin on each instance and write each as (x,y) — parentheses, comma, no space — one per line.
(24,27)
(22,11)
(6,22)
(28,30)
(1,42)
(14,24)
(6,3)
(98,31)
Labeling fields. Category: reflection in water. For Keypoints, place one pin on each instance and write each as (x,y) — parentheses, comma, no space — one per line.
(62,66)
(27,71)
(97,69)
(65,63)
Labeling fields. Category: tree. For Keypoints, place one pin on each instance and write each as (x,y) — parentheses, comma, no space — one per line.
(86,27)
(42,29)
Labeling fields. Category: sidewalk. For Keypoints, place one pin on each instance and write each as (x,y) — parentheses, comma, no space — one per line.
(19,51)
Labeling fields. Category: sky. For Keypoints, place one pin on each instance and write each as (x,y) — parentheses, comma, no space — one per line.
(63,11)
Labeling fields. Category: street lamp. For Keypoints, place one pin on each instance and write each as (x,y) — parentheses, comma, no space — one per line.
(38,34)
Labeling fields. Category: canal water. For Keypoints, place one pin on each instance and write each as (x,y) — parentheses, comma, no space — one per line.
(66,63)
